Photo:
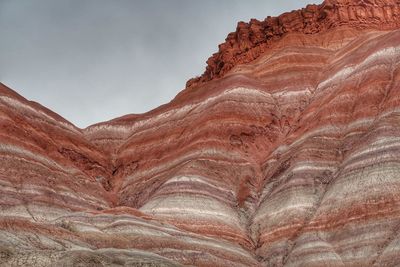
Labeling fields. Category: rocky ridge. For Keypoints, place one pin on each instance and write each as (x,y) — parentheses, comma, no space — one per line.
(250,40)
(291,159)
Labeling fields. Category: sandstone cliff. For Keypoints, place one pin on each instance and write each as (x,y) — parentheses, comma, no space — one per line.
(285,152)
(250,40)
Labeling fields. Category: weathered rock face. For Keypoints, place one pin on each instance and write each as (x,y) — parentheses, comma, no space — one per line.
(292,159)
(252,39)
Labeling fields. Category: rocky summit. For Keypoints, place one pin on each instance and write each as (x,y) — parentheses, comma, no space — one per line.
(285,152)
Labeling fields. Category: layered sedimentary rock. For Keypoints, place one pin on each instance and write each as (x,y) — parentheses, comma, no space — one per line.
(288,157)
(250,40)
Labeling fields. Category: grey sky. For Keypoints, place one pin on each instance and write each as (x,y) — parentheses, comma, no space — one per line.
(94,60)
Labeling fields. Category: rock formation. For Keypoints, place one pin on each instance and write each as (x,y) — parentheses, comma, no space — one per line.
(286,152)
(252,39)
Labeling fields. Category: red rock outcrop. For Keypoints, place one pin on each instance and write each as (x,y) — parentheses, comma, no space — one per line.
(250,40)
(292,159)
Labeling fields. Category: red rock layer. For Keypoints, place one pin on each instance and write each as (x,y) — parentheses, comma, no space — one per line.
(289,160)
(250,40)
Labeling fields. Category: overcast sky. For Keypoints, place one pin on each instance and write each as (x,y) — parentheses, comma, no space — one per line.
(94,60)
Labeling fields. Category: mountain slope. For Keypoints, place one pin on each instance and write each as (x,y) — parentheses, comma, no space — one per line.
(287,157)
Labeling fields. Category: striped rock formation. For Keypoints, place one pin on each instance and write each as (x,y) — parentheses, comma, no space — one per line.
(290,156)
